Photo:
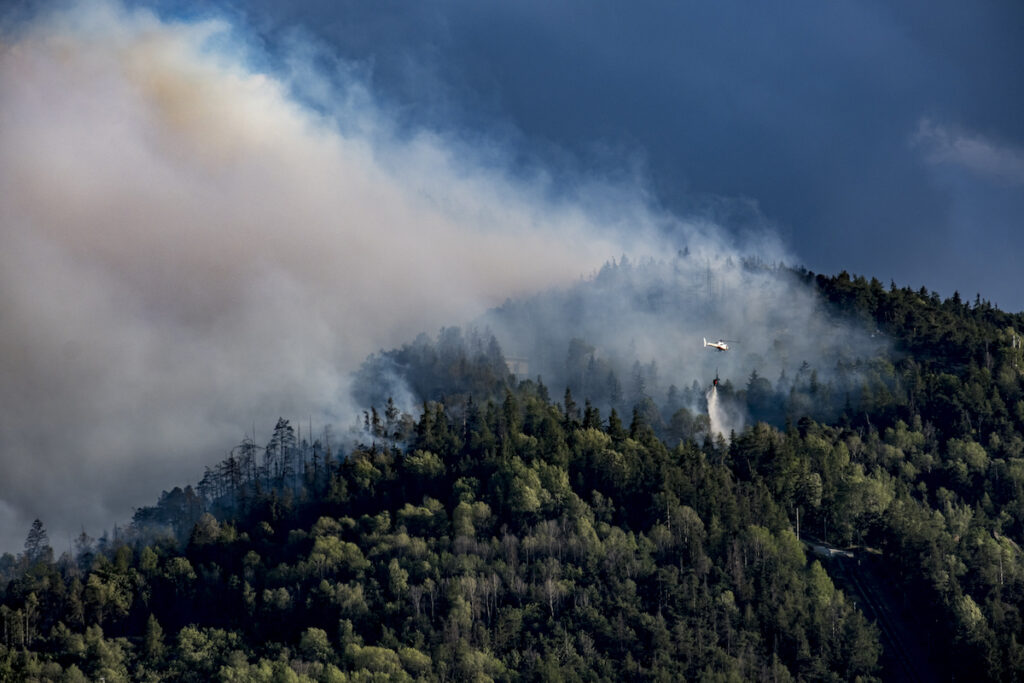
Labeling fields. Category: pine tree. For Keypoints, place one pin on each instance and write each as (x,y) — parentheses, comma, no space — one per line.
(572,413)
(153,641)
(37,545)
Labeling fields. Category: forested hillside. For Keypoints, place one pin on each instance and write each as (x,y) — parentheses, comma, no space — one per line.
(505,529)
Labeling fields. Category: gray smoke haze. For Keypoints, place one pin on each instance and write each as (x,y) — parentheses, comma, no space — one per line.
(190,249)
(646,321)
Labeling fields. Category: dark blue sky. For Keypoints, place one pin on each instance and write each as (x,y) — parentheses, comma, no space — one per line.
(882,138)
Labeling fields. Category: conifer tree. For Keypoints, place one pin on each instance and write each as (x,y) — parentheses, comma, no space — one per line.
(37,545)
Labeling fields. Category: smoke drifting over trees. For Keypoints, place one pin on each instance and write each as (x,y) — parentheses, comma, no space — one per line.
(638,326)
(188,250)
(189,247)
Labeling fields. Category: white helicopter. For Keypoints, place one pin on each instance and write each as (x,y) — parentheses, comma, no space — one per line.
(720,345)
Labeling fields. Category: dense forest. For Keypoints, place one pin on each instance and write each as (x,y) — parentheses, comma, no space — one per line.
(864,523)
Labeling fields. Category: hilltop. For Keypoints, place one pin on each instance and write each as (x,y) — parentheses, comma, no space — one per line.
(587,520)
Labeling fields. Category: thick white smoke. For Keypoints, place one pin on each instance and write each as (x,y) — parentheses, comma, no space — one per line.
(190,250)
(187,251)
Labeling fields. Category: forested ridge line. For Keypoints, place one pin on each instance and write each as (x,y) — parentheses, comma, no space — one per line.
(470,553)
(504,535)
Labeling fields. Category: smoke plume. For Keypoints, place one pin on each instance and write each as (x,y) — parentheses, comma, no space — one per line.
(194,246)
(190,250)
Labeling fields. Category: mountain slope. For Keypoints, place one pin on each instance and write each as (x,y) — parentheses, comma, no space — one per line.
(502,535)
